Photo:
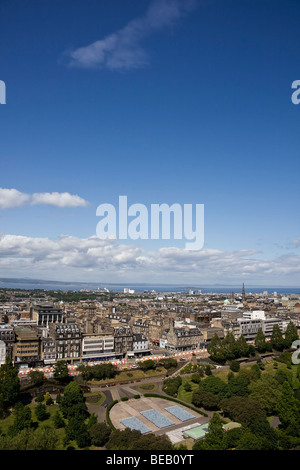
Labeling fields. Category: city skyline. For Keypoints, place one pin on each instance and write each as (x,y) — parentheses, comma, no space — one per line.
(164,101)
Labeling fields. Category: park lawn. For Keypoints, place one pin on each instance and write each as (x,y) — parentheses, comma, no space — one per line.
(188,443)
(7,422)
(128,375)
(183,394)
(149,387)
(222,373)
(90,398)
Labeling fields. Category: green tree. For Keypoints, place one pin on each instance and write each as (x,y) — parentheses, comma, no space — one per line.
(291,334)
(230,347)
(41,412)
(61,372)
(171,385)
(169,363)
(249,441)
(214,385)
(250,374)
(22,419)
(58,420)
(242,347)
(261,428)
(277,340)
(196,378)
(100,433)
(187,387)
(260,341)
(237,386)
(48,399)
(134,440)
(214,439)
(92,420)
(284,375)
(9,383)
(266,392)
(36,377)
(43,438)
(232,438)
(242,409)
(207,400)
(147,365)
(235,366)
(77,430)
(288,408)
(73,402)
(216,350)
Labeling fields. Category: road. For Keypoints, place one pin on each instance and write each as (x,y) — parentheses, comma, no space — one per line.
(122,364)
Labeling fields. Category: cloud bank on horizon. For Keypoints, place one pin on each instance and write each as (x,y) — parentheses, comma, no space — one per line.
(122,50)
(73,257)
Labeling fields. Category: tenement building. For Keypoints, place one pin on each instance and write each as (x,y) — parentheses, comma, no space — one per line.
(67,340)
(181,339)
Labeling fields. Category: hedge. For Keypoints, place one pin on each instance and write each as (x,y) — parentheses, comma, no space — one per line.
(107,414)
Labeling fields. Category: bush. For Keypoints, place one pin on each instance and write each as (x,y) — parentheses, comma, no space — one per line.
(124,398)
(107,413)
(204,399)
(147,365)
(40,398)
(58,420)
(187,387)
(235,366)
(48,399)
(196,378)
(41,412)
(171,385)
(100,434)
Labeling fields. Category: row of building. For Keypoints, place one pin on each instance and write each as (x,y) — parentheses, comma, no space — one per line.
(46,332)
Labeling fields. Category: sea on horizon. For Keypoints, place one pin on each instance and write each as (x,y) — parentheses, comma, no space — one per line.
(27,284)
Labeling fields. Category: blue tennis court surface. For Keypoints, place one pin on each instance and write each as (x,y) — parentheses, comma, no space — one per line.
(136,424)
(179,413)
(157,418)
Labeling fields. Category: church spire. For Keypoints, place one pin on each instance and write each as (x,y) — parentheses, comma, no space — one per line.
(243,294)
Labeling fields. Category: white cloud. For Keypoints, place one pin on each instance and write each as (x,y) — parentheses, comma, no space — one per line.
(10,198)
(122,50)
(70,258)
(58,199)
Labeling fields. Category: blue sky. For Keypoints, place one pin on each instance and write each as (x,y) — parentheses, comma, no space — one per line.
(166,101)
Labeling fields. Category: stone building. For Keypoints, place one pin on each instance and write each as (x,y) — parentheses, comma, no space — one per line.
(45,313)
(7,335)
(123,340)
(67,341)
(181,339)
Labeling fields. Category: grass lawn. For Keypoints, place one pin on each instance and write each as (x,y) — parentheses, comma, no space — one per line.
(7,422)
(150,387)
(183,394)
(131,375)
(188,443)
(95,398)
